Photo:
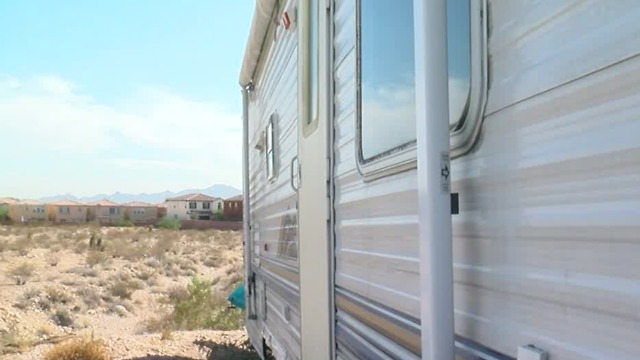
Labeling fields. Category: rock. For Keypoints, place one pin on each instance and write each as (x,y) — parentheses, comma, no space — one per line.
(120,310)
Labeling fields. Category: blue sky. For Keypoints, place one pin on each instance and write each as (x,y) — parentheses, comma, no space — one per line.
(130,96)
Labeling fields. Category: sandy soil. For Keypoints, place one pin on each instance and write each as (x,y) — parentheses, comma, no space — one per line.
(54,287)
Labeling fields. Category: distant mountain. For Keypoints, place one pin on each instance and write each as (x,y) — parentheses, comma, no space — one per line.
(219,190)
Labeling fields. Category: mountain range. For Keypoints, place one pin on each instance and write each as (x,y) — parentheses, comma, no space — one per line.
(218,190)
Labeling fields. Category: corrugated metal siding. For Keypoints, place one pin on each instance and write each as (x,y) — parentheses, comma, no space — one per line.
(546,240)
(272,201)
(539,45)
(375,222)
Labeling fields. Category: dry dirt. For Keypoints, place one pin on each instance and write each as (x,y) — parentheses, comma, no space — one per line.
(54,287)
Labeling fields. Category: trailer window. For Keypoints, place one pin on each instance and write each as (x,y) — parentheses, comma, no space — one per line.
(270,153)
(386,87)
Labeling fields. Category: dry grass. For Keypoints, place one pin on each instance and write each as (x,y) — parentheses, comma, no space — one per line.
(63,317)
(79,349)
(58,295)
(95,257)
(14,340)
(139,274)
(22,272)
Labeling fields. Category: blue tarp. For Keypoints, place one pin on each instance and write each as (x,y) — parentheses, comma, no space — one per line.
(237,298)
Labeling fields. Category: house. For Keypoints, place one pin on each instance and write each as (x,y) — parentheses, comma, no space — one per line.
(67,211)
(194,206)
(140,212)
(106,211)
(4,207)
(7,201)
(162,210)
(27,211)
(233,208)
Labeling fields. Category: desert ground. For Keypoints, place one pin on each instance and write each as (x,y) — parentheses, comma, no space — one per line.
(131,293)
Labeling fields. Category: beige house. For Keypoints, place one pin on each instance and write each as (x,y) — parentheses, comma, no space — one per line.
(67,211)
(106,211)
(6,201)
(25,211)
(140,212)
(4,206)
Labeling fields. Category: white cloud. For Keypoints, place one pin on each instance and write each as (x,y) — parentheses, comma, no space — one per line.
(389,115)
(50,114)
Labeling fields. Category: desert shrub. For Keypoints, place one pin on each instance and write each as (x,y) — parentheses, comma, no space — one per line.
(219,215)
(124,289)
(171,224)
(90,296)
(94,258)
(53,259)
(210,262)
(145,274)
(153,263)
(204,310)
(4,213)
(63,317)
(14,339)
(162,246)
(43,239)
(79,349)
(23,244)
(58,295)
(83,271)
(28,298)
(22,273)
(125,223)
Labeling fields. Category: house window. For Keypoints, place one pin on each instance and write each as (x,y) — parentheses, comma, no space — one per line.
(193,205)
(206,205)
(63,209)
(270,150)
(114,211)
(219,206)
(386,86)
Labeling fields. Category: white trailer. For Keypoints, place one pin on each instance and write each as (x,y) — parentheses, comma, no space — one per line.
(422,183)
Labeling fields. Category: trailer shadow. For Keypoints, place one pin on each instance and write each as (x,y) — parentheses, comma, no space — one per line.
(161,357)
(240,350)
(226,349)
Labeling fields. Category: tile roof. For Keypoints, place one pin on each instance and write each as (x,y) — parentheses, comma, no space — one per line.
(66,203)
(8,200)
(103,202)
(193,197)
(138,204)
(236,198)
(29,202)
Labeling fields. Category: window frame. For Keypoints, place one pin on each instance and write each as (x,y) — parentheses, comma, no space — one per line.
(463,137)
(270,148)
(195,205)
(309,120)
(206,205)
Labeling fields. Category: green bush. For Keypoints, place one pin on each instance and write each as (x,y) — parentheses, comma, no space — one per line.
(125,223)
(4,213)
(219,215)
(172,224)
(202,309)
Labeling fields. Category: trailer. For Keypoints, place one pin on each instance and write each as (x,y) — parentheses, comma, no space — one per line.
(442,179)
